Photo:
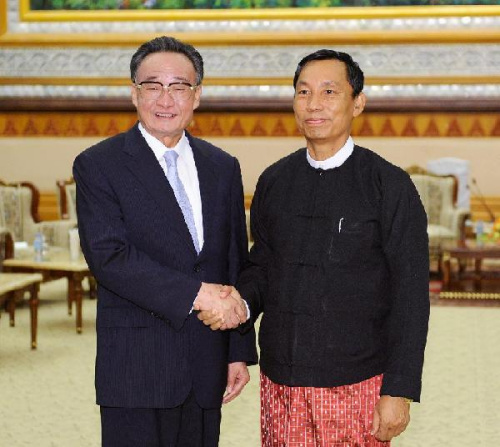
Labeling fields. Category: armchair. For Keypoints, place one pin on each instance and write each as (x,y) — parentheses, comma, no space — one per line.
(446,221)
(19,215)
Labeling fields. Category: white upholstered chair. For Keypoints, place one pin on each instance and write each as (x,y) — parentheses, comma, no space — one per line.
(19,215)
(446,221)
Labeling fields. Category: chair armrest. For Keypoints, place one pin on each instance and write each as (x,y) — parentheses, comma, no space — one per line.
(57,232)
(456,218)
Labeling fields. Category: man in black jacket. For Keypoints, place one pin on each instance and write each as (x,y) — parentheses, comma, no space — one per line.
(339,269)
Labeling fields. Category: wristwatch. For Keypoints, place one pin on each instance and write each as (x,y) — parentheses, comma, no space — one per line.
(407,400)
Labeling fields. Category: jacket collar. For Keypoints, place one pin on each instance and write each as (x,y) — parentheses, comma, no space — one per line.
(142,162)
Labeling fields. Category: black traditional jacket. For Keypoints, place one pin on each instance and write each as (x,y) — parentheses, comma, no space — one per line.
(340,271)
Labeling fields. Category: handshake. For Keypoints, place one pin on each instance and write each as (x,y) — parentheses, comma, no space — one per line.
(220,307)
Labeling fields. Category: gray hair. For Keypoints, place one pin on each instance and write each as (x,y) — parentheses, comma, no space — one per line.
(166,44)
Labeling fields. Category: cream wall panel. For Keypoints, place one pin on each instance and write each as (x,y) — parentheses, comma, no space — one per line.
(45,160)
(40,160)
(483,153)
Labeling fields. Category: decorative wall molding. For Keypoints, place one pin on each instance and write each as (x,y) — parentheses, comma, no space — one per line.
(270,62)
(239,124)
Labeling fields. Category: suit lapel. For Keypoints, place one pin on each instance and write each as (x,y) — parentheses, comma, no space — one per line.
(144,166)
(208,179)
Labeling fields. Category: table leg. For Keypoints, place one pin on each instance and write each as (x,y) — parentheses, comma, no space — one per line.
(446,267)
(477,273)
(75,283)
(16,296)
(462,267)
(11,308)
(34,313)
(71,295)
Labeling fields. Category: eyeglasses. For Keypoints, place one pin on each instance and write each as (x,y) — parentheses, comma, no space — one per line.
(179,91)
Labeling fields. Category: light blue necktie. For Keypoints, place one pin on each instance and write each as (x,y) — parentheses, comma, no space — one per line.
(181,195)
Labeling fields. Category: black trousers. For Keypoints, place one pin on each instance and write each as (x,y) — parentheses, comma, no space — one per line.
(187,425)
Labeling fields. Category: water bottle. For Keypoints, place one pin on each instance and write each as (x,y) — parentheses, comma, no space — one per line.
(38,247)
(479,232)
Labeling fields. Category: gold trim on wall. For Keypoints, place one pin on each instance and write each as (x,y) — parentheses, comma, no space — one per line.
(379,12)
(242,124)
(262,38)
(426,80)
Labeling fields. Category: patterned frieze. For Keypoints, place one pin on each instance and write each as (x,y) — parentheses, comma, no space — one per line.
(380,61)
(412,125)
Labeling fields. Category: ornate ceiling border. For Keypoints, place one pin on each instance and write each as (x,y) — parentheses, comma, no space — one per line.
(357,25)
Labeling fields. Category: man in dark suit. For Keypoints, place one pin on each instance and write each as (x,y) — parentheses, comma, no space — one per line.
(162,227)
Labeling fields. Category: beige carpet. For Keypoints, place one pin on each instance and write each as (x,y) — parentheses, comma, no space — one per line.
(47,396)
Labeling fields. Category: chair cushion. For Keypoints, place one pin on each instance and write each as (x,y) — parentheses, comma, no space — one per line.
(438,234)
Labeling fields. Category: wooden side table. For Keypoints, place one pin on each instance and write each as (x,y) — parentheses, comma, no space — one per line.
(463,251)
(12,287)
(57,265)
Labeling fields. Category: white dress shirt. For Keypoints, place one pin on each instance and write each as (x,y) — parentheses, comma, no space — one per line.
(335,160)
(188,173)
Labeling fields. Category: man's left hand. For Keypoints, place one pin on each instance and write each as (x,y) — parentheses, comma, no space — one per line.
(237,377)
(390,418)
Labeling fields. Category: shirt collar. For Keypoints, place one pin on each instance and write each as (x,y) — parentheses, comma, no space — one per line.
(335,160)
(159,148)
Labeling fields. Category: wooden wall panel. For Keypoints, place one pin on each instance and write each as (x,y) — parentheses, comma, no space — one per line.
(48,209)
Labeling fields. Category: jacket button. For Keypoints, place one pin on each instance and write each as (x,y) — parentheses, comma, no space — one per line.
(197,268)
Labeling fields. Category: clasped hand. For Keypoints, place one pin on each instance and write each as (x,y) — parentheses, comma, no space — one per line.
(220,307)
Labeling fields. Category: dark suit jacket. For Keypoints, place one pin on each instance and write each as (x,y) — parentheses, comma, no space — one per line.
(150,350)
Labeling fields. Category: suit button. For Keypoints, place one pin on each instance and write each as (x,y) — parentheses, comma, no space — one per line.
(197,268)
